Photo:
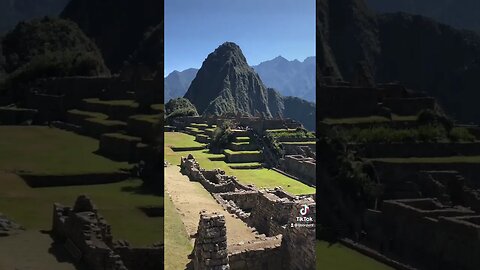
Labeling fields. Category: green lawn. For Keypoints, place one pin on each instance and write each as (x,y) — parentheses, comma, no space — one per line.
(177,242)
(119,203)
(453,159)
(260,177)
(51,151)
(120,102)
(339,257)
(179,139)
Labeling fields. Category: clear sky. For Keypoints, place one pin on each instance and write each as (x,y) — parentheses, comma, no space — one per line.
(264,29)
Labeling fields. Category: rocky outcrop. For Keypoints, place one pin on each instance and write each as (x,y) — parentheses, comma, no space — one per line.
(227,84)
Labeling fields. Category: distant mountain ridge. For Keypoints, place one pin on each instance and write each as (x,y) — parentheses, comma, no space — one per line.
(226,84)
(290,78)
(417,51)
(14,11)
(457,13)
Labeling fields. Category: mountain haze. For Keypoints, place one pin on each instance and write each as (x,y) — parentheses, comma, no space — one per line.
(290,78)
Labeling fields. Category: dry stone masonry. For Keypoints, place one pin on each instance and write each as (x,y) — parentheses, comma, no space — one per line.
(87,237)
(285,225)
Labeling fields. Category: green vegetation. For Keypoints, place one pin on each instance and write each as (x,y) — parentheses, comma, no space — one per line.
(121,102)
(47,47)
(177,242)
(107,122)
(260,177)
(297,133)
(353,175)
(119,203)
(178,139)
(50,151)
(222,137)
(458,134)
(425,133)
(339,257)
(179,107)
(452,159)
(54,152)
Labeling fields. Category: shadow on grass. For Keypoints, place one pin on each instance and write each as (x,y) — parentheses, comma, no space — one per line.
(156,190)
(58,250)
(152,211)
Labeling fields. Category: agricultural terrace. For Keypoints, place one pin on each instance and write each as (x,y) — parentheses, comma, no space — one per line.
(248,174)
(50,152)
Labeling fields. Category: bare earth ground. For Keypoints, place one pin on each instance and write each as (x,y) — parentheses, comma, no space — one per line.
(30,250)
(190,198)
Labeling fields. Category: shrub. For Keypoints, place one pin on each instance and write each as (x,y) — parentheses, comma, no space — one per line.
(461,135)
(426,133)
(222,136)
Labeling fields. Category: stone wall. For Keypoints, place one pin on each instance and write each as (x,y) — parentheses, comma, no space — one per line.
(87,237)
(17,116)
(353,101)
(270,212)
(299,239)
(244,157)
(300,166)
(210,249)
(400,150)
(410,106)
(426,233)
(214,181)
(119,147)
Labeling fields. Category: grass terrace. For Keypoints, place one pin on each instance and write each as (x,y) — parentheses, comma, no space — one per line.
(242,139)
(262,178)
(122,102)
(339,257)
(453,159)
(85,114)
(120,203)
(177,241)
(50,151)
(368,119)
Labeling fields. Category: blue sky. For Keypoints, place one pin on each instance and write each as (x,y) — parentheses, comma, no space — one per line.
(264,29)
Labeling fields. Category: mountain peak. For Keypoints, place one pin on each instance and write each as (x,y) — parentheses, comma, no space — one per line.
(227,84)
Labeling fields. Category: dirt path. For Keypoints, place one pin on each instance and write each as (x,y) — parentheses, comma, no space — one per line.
(190,198)
(31,250)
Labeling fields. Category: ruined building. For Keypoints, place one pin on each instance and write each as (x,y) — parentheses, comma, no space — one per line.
(280,244)
(87,237)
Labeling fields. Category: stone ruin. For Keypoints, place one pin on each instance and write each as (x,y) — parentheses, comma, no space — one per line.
(87,237)
(8,227)
(281,244)
(210,251)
